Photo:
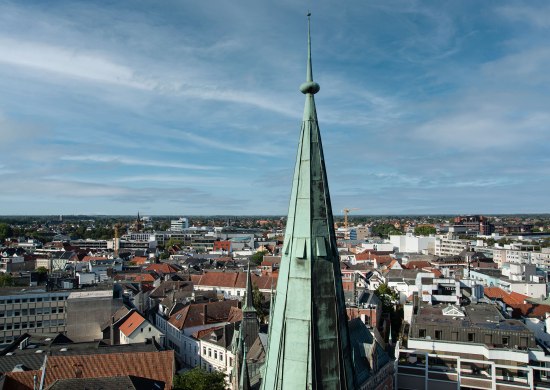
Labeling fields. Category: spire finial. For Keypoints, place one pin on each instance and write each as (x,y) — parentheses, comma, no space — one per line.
(309,86)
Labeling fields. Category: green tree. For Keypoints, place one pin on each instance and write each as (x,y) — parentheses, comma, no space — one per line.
(387,296)
(384,230)
(258,300)
(171,242)
(6,280)
(424,230)
(42,270)
(257,257)
(5,231)
(199,379)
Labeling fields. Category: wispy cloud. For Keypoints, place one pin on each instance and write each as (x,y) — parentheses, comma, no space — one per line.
(113,159)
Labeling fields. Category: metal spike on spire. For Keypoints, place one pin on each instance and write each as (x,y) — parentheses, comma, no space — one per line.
(309,87)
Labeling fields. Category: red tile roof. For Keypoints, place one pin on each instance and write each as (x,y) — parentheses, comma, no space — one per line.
(159,366)
(415,264)
(136,277)
(22,380)
(163,268)
(517,302)
(139,260)
(234,280)
(495,293)
(131,324)
(92,258)
(203,314)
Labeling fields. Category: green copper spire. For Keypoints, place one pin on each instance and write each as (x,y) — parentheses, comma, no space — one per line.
(309,345)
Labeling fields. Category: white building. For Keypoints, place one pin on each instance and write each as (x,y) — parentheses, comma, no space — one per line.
(410,243)
(449,245)
(137,329)
(179,225)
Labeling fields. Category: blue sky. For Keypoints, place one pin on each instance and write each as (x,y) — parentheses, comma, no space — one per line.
(180,107)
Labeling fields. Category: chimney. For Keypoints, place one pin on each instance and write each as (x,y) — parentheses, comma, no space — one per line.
(112,331)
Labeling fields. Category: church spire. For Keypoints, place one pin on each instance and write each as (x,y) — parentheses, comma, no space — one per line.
(309,345)
(249,297)
(244,378)
(250,326)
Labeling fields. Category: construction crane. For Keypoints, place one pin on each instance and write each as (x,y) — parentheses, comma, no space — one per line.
(346,212)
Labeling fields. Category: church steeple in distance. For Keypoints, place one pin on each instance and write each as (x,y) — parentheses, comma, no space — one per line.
(309,345)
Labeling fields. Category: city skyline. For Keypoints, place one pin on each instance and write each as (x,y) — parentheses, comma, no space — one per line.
(426,108)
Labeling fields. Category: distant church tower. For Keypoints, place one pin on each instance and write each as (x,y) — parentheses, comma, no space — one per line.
(250,326)
(309,344)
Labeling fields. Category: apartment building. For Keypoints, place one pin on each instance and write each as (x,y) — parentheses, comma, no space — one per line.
(473,346)
(32,310)
(449,245)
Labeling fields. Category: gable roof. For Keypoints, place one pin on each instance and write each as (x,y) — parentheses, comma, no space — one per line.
(202,314)
(234,280)
(159,366)
(163,268)
(21,380)
(131,324)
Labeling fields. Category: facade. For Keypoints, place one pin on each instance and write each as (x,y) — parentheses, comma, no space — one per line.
(136,329)
(410,243)
(87,311)
(31,310)
(179,225)
(471,346)
(449,245)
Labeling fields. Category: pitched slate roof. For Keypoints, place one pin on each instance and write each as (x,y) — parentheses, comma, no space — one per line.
(131,324)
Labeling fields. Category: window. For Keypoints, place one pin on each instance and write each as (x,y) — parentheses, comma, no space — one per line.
(221,356)
(204,351)
(505,340)
(471,336)
(523,341)
(60,310)
(438,334)
(215,354)
(422,333)
(24,300)
(32,299)
(209,352)
(149,329)
(38,299)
